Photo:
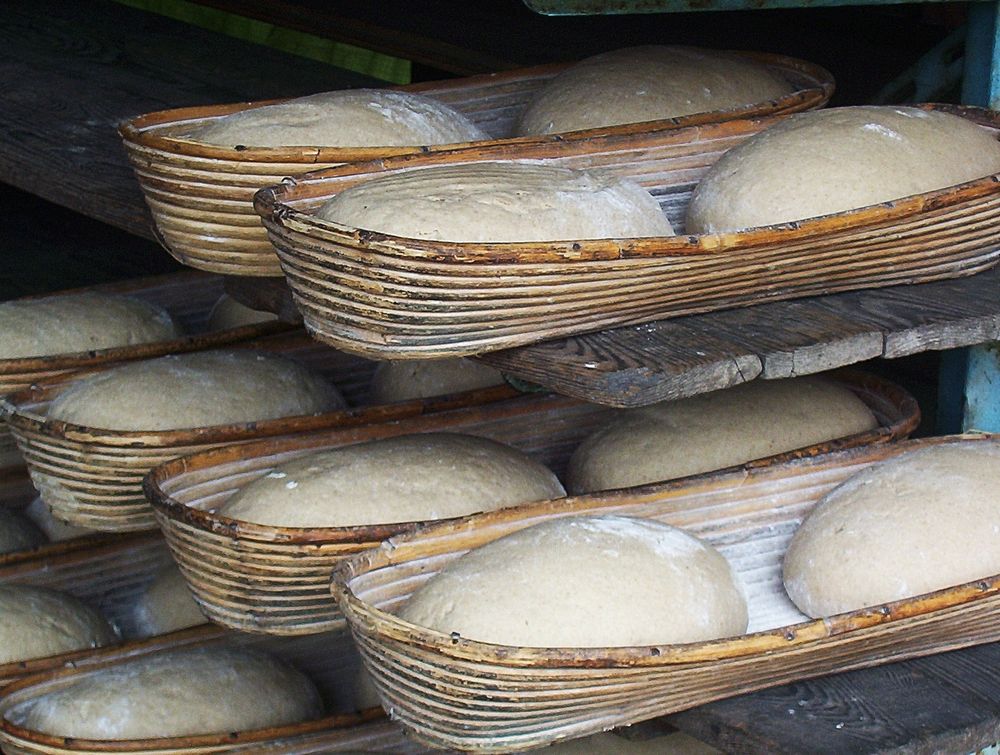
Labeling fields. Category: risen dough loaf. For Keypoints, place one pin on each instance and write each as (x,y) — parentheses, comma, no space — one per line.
(18,532)
(348,118)
(600,581)
(828,161)
(920,522)
(207,690)
(403,479)
(498,202)
(79,322)
(195,390)
(229,313)
(166,605)
(36,622)
(423,378)
(715,430)
(648,83)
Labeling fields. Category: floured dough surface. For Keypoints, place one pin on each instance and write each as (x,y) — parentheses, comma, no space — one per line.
(424,378)
(206,690)
(500,202)
(72,323)
(919,522)
(228,313)
(828,161)
(651,82)
(599,581)
(166,605)
(408,478)
(195,390)
(715,430)
(345,118)
(36,622)
(18,532)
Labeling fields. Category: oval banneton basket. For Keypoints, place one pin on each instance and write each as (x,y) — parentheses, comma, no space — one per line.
(92,477)
(260,578)
(454,692)
(188,296)
(392,297)
(201,195)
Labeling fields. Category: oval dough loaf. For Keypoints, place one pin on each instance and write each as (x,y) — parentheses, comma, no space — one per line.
(18,532)
(403,479)
(647,83)
(500,202)
(828,161)
(600,581)
(207,690)
(72,323)
(56,530)
(195,390)
(424,378)
(166,605)
(923,521)
(36,622)
(346,118)
(228,313)
(715,430)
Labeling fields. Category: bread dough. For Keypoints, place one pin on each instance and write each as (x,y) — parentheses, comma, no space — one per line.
(715,430)
(923,521)
(499,202)
(56,530)
(205,690)
(424,378)
(195,390)
(228,313)
(346,118)
(597,581)
(36,622)
(166,605)
(828,161)
(17,532)
(652,82)
(71,323)
(408,478)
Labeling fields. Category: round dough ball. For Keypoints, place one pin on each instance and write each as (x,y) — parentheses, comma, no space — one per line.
(18,532)
(499,202)
(408,478)
(36,622)
(166,605)
(597,581)
(56,530)
(715,430)
(228,313)
(424,378)
(195,390)
(828,161)
(205,690)
(637,84)
(923,521)
(346,118)
(71,323)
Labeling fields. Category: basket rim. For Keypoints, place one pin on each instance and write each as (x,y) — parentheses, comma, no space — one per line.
(359,537)
(275,205)
(360,615)
(141,131)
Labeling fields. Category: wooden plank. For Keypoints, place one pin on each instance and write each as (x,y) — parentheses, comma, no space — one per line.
(72,71)
(944,703)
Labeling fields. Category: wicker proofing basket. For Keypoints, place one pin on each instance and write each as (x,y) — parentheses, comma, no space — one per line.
(93,477)
(201,195)
(261,578)
(394,297)
(470,695)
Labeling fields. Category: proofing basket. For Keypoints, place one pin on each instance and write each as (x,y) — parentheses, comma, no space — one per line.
(201,195)
(392,297)
(260,578)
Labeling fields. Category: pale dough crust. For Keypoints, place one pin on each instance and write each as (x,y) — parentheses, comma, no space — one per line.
(18,532)
(228,313)
(652,82)
(424,378)
(500,202)
(828,161)
(923,521)
(166,605)
(598,581)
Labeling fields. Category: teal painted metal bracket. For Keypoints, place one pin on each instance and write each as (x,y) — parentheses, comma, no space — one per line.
(982,389)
